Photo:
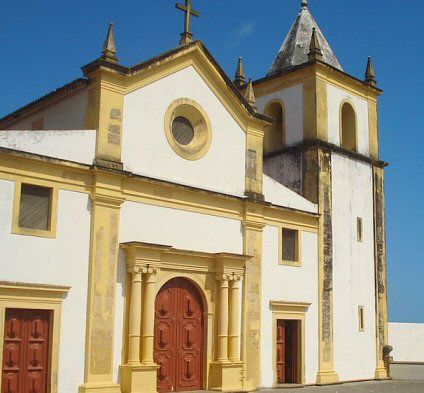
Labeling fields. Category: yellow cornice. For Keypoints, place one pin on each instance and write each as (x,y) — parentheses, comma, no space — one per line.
(315,71)
(346,82)
(116,187)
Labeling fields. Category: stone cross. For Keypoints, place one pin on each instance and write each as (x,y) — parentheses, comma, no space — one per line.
(187,36)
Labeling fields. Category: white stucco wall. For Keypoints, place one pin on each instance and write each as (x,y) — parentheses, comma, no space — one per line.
(353,274)
(146,150)
(277,194)
(292,98)
(290,284)
(335,97)
(60,261)
(75,145)
(407,340)
(66,115)
(177,228)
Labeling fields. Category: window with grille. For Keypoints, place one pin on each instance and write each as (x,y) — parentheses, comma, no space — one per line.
(35,207)
(290,245)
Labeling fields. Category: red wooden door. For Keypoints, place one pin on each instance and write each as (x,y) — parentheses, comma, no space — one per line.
(26,351)
(287,351)
(179,336)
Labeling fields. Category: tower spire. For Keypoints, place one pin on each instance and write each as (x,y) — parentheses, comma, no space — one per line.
(240,77)
(315,52)
(109,47)
(370,73)
(250,95)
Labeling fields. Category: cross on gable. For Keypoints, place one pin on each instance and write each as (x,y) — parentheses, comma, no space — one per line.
(187,36)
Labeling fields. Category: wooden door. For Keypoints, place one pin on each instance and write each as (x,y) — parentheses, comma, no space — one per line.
(179,336)
(26,351)
(287,361)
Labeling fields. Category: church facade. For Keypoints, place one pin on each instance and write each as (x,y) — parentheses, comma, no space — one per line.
(165,228)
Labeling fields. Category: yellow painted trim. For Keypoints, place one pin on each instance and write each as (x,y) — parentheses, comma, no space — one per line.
(346,83)
(47,173)
(294,312)
(281,261)
(198,117)
(40,297)
(73,177)
(373,123)
(17,230)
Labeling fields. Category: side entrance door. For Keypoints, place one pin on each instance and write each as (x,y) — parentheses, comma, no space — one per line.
(179,336)
(26,351)
(287,361)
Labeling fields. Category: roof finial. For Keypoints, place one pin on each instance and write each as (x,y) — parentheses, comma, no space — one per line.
(315,52)
(109,47)
(304,3)
(187,35)
(250,95)
(370,73)
(240,77)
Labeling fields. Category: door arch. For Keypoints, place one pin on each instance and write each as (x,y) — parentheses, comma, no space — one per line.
(179,336)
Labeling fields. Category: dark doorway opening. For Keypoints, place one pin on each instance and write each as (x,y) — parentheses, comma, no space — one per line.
(288,351)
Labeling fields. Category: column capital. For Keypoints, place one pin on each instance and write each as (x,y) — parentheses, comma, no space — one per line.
(134,269)
(235,277)
(149,269)
(222,278)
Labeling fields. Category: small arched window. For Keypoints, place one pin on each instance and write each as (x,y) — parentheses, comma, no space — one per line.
(275,138)
(348,127)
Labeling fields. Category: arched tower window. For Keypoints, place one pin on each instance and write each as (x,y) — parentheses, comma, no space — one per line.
(275,138)
(348,127)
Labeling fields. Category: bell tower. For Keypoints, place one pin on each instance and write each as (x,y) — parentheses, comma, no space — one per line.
(324,145)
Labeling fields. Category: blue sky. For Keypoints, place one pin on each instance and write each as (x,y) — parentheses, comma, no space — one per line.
(44,43)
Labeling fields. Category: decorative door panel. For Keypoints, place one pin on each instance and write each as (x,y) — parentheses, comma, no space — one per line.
(179,337)
(26,351)
(281,351)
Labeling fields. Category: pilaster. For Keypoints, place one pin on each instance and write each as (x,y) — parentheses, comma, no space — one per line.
(253,224)
(254,163)
(105,113)
(105,211)
(326,373)
(380,271)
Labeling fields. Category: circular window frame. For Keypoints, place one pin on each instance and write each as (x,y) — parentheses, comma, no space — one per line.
(195,114)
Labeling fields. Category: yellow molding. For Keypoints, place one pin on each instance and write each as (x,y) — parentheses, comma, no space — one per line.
(45,172)
(39,297)
(346,82)
(71,177)
(272,85)
(51,231)
(202,138)
(298,261)
(289,307)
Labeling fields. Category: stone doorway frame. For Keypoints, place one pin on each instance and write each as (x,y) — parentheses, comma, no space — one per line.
(217,277)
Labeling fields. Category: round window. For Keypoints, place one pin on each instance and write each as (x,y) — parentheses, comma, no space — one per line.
(182,130)
(188,129)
